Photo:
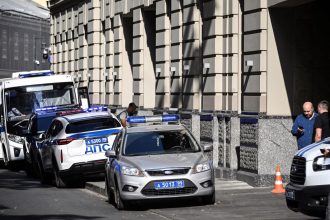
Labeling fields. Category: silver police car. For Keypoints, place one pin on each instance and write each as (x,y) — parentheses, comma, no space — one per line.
(157,162)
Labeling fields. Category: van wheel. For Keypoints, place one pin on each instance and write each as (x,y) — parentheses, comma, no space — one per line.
(5,160)
(2,164)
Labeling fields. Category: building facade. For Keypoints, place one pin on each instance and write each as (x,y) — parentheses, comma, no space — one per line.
(236,71)
(24,34)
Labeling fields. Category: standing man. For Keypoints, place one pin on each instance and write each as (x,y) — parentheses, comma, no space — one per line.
(128,112)
(303,126)
(322,129)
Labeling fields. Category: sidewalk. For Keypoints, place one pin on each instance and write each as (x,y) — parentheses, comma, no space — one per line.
(220,185)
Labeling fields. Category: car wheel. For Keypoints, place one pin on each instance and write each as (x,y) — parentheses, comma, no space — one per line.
(44,177)
(110,194)
(120,205)
(59,181)
(29,169)
(209,200)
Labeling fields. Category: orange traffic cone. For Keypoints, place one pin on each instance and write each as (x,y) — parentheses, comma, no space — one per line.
(278,187)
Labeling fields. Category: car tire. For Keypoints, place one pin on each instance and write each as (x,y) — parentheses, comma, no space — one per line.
(110,194)
(29,168)
(120,204)
(209,200)
(59,181)
(44,177)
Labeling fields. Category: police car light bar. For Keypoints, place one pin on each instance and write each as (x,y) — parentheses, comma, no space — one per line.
(28,74)
(97,109)
(45,109)
(146,119)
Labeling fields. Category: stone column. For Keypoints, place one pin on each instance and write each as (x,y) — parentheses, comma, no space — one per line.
(118,69)
(94,31)
(163,42)
(191,38)
(138,67)
(176,55)
(109,52)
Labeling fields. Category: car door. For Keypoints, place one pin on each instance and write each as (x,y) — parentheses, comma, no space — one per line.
(112,164)
(47,150)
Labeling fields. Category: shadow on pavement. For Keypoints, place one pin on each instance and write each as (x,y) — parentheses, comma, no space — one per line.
(163,204)
(9,180)
(3,207)
(44,217)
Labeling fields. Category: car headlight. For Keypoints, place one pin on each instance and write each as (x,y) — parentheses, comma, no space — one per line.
(131,171)
(15,138)
(202,167)
(321,163)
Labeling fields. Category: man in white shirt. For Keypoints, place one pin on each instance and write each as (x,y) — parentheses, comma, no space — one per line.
(128,112)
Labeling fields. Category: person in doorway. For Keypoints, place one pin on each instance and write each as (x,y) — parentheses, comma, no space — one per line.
(303,126)
(130,111)
(321,125)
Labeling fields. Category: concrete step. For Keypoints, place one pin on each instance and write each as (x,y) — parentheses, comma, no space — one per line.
(221,184)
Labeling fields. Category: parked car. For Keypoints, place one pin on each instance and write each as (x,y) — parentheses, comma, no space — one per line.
(162,161)
(74,145)
(309,186)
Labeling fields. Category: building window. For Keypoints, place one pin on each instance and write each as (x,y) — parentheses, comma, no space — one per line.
(4,41)
(16,46)
(26,47)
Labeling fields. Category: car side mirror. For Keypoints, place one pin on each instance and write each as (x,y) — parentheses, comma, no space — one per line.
(42,136)
(208,148)
(110,154)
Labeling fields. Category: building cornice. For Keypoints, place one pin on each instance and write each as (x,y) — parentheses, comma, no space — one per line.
(56,6)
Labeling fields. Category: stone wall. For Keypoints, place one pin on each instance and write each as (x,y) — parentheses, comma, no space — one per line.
(249,144)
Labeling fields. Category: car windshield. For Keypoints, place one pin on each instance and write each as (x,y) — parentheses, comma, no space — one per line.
(25,99)
(92,125)
(159,142)
(22,101)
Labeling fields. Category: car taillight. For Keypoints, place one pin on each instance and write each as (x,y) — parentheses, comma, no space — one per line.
(64,141)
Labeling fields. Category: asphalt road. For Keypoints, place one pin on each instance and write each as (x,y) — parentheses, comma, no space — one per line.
(24,198)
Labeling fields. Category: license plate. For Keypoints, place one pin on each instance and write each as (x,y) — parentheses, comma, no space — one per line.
(92,141)
(169,184)
(289,194)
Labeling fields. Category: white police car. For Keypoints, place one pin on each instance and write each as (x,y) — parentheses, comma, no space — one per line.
(74,145)
(158,162)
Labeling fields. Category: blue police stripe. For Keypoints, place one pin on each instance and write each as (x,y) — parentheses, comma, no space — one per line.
(95,133)
(312,146)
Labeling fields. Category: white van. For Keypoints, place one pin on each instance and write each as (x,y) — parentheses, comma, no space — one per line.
(20,96)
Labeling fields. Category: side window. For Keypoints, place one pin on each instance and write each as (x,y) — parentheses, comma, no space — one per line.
(58,128)
(51,129)
(117,144)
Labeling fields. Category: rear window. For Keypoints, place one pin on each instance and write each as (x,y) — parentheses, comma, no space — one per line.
(92,125)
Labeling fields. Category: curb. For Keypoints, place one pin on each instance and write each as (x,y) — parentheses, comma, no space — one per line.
(96,187)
